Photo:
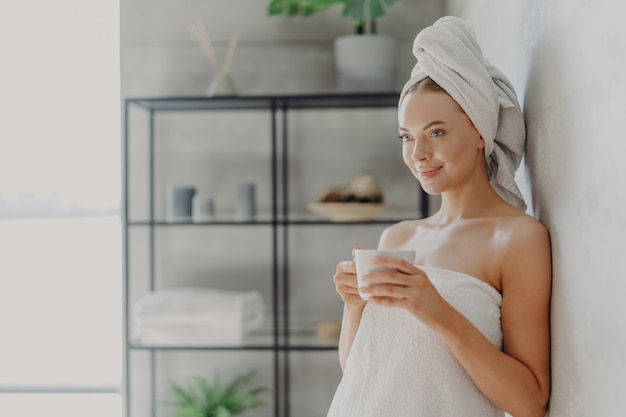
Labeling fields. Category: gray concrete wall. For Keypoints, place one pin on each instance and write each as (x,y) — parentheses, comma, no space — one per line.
(566,59)
(216,151)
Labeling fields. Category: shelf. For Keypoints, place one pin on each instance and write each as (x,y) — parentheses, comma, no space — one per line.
(302,347)
(255,340)
(302,219)
(200,223)
(388,217)
(202,103)
(286,329)
(313,101)
(301,222)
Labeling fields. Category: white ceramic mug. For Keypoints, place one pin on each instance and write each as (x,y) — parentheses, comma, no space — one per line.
(363,259)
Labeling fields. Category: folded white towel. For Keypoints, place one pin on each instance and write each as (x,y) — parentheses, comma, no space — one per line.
(196,315)
(449,54)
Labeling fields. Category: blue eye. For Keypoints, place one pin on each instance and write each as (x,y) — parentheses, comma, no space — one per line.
(404,138)
(436,133)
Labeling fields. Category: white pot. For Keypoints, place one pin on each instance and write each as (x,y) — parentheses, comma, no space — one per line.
(366,63)
(221,85)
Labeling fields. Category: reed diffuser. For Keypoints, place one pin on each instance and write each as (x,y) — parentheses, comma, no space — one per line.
(222,83)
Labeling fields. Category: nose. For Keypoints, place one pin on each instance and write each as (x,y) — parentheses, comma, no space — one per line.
(421,150)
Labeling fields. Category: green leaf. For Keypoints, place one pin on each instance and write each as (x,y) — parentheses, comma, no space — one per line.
(222,411)
(217,388)
(303,8)
(308,11)
(293,9)
(256,403)
(258,390)
(194,393)
(247,404)
(198,398)
(182,397)
(278,7)
(236,404)
(208,393)
(275,7)
(352,9)
(189,411)
(356,9)
(238,383)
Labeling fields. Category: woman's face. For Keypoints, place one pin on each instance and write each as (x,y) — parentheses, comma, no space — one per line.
(439,142)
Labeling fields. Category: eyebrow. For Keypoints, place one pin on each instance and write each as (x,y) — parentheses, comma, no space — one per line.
(429,125)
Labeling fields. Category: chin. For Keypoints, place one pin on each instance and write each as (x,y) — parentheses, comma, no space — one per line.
(429,188)
(431,191)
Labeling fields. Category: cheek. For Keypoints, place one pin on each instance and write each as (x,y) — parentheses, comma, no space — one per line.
(407,151)
(456,148)
(454,153)
(462,157)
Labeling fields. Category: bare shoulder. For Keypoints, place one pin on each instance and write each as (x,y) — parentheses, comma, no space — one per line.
(521,232)
(398,234)
(524,247)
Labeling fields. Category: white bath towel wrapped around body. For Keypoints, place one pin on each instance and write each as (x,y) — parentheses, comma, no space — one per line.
(398,367)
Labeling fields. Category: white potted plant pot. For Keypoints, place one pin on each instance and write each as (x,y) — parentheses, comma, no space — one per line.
(366,63)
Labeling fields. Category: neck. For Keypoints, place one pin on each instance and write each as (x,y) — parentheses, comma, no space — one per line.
(477,199)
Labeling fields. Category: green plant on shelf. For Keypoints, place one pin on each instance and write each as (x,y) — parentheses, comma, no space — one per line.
(198,398)
(362,12)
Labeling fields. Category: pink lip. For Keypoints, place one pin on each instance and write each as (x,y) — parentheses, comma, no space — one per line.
(428,172)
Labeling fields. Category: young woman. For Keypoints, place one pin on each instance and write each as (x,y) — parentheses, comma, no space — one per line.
(464,330)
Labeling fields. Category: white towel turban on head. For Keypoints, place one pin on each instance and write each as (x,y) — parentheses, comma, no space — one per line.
(449,54)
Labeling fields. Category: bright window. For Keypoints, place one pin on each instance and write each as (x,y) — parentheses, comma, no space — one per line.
(60,231)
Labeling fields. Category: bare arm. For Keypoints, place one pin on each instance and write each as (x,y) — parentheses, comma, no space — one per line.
(347,287)
(516,380)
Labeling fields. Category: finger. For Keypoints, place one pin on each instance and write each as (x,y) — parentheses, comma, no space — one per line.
(389,277)
(350,296)
(346,267)
(385,291)
(396,263)
(388,301)
(348,280)
(354,250)
(353,299)
(346,289)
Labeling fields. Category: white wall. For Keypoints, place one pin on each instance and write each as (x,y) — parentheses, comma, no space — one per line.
(568,63)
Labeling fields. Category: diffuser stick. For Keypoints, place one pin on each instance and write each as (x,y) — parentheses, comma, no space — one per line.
(198,31)
(230,53)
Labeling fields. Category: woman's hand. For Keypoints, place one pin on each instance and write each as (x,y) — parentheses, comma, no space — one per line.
(407,287)
(346,282)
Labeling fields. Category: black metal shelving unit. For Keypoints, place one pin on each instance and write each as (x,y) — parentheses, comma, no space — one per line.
(279,341)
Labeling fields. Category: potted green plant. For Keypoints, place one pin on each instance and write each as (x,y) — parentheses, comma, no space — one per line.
(364,60)
(198,398)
